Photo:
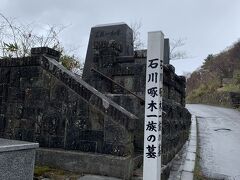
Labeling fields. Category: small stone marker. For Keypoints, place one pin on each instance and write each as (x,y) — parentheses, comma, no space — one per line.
(153,107)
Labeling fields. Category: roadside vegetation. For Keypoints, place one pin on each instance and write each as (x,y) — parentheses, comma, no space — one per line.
(218,76)
(45,172)
(17,39)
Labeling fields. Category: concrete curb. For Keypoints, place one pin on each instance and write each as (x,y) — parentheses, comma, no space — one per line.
(183,165)
(189,163)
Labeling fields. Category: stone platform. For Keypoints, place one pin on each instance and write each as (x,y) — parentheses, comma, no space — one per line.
(87,163)
(17,159)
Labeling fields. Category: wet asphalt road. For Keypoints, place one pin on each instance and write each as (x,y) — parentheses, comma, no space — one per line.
(219,134)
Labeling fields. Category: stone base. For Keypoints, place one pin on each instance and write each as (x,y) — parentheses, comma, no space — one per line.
(16,159)
(87,163)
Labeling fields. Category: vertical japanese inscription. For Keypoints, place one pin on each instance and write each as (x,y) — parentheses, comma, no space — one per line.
(153,107)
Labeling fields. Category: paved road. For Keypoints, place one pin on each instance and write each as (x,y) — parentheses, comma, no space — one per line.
(219,130)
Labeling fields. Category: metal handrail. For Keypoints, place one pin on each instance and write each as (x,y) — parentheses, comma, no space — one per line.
(108,78)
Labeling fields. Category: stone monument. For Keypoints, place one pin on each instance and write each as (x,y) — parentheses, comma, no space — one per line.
(99,117)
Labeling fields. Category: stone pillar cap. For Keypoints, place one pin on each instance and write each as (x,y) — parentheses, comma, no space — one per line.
(39,51)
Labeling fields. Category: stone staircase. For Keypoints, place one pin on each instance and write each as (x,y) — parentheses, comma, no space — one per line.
(87,92)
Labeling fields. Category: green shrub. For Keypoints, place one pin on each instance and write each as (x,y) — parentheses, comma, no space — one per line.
(40,170)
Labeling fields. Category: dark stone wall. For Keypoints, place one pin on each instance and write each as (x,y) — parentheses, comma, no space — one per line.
(38,107)
(40,101)
(175,130)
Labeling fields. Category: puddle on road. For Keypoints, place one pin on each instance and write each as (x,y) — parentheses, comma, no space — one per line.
(222,129)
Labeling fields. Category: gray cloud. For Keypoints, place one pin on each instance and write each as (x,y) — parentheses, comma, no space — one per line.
(208,25)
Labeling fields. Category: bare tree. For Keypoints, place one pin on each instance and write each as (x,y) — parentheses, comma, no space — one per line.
(137,41)
(175,45)
(16,40)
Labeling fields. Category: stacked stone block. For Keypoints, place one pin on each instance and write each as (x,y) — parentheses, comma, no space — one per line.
(43,102)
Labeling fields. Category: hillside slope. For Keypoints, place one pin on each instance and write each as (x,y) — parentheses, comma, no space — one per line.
(217,81)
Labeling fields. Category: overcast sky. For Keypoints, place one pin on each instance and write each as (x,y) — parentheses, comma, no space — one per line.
(209,26)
